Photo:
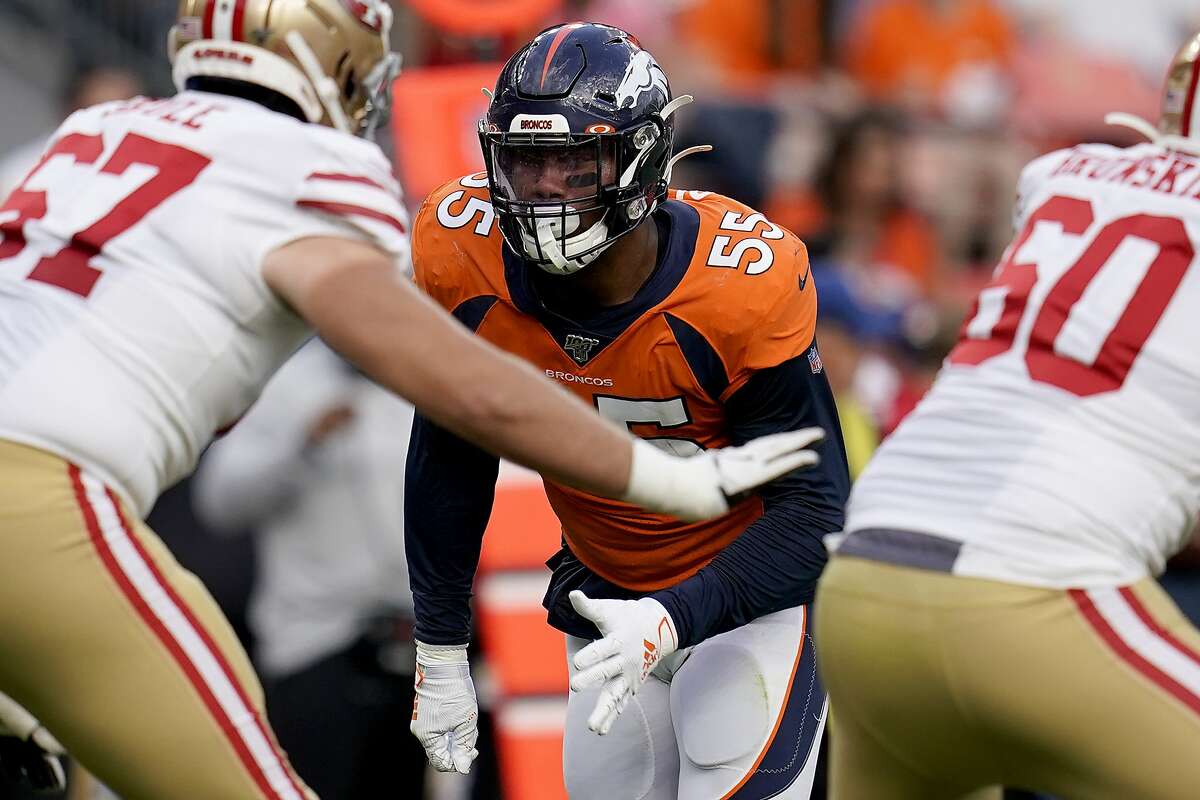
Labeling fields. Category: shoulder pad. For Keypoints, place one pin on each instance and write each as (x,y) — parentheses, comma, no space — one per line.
(457,244)
(750,288)
(356,186)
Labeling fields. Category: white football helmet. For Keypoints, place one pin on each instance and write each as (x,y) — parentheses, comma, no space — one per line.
(330,57)
(1179,113)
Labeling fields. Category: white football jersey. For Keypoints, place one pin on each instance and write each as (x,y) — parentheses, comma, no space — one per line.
(1061,441)
(134,319)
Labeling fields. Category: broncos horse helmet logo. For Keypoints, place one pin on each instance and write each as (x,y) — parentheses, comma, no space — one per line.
(641,75)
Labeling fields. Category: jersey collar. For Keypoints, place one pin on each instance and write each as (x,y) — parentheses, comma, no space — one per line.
(678,223)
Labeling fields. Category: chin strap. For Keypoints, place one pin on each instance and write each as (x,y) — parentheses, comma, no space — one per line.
(326,89)
(1170,141)
(548,244)
(547,234)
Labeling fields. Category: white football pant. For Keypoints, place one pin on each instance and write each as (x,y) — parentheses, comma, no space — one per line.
(741,718)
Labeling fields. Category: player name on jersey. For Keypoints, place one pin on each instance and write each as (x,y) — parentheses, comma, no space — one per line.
(1168,172)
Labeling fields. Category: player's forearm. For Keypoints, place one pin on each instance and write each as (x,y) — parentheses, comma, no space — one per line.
(502,404)
(405,342)
(448,494)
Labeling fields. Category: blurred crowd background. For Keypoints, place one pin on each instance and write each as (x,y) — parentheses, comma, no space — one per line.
(888,134)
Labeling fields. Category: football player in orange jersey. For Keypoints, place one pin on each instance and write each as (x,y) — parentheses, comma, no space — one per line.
(689,318)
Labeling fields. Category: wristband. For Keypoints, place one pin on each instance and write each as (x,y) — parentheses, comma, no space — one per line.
(682,487)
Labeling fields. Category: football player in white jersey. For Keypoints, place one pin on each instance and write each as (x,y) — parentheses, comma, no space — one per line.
(991,616)
(156,266)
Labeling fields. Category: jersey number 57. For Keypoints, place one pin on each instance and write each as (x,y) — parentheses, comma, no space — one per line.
(69,268)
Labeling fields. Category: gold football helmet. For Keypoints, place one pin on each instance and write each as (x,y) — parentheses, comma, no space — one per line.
(1179,113)
(330,57)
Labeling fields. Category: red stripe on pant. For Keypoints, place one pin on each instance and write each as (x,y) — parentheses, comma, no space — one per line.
(1150,622)
(173,647)
(1130,656)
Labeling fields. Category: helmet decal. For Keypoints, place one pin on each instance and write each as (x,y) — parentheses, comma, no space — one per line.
(224,20)
(369,12)
(642,75)
(555,43)
(546,123)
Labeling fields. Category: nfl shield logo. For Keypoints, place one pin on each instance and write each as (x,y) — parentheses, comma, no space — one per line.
(814,360)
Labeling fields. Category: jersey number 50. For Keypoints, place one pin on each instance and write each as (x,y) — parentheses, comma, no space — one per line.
(1065,361)
(69,268)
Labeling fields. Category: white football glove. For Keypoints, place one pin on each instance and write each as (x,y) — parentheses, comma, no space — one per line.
(701,487)
(637,635)
(445,713)
(34,759)
(16,721)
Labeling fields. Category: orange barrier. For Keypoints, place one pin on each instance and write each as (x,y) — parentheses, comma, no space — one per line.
(485,17)
(529,745)
(523,531)
(434,116)
(526,657)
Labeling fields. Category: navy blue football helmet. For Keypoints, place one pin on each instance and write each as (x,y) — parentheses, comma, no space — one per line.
(577,143)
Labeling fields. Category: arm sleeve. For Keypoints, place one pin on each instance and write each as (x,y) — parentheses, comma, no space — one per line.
(449,489)
(776,561)
(450,484)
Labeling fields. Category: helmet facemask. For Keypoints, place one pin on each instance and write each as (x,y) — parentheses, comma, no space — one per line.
(562,199)
(377,88)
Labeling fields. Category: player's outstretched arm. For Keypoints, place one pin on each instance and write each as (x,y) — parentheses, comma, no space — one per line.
(362,307)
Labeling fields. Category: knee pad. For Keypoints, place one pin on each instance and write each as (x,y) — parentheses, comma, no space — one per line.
(720,706)
(637,759)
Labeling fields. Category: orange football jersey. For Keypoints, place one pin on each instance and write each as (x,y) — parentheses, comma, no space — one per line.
(731,295)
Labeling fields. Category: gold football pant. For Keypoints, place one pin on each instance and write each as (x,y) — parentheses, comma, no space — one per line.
(121,652)
(939,685)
